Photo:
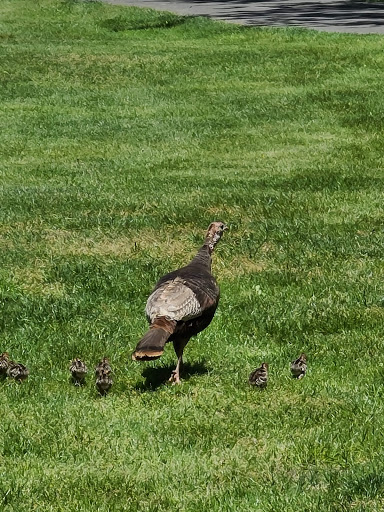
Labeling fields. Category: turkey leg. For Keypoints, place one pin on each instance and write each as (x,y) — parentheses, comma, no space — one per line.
(179,349)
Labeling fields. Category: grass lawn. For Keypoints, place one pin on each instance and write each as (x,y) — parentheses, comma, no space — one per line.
(123,133)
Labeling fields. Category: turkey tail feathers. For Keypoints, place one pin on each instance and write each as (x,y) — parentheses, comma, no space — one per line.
(151,345)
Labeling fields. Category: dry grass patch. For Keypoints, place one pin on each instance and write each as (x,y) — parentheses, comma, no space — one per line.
(154,242)
(32,281)
(239,266)
(71,243)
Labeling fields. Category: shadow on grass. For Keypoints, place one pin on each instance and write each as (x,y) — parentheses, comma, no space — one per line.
(156,377)
(121,24)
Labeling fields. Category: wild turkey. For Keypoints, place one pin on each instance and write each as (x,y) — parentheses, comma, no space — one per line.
(299,366)
(104,365)
(78,371)
(4,363)
(259,377)
(181,305)
(17,371)
(103,376)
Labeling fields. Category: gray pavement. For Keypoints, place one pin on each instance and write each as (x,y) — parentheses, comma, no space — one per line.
(328,15)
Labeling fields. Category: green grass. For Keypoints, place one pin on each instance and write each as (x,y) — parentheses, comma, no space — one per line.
(123,133)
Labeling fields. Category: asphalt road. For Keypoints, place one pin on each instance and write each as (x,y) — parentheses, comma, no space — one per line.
(328,15)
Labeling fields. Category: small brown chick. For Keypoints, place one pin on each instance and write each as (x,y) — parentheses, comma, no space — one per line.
(259,377)
(103,364)
(17,371)
(103,381)
(299,366)
(103,376)
(4,363)
(78,370)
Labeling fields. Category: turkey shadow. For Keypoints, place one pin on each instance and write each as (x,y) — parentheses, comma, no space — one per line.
(156,377)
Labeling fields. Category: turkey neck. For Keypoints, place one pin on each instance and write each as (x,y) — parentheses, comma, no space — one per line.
(203,257)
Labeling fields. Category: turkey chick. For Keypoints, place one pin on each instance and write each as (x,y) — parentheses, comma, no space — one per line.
(17,371)
(299,366)
(78,371)
(259,377)
(4,363)
(103,376)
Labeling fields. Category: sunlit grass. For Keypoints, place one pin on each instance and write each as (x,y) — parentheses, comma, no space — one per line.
(123,133)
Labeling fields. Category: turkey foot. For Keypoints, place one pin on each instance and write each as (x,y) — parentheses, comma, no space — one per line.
(175,375)
(174,378)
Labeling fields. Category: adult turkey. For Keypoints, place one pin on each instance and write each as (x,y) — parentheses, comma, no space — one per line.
(182,304)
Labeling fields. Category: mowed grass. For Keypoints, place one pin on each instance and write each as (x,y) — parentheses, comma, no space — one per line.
(123,133)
